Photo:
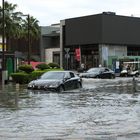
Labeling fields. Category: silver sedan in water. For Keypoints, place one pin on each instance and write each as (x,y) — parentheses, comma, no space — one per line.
(98,72)
(56,81)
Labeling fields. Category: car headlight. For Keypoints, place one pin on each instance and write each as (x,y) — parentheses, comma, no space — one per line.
(52,85)
(31,85)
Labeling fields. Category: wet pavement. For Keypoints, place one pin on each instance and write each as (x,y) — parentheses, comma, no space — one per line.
(101,110)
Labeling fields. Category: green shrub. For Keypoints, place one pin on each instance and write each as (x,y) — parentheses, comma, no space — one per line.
(54,65)
(36,74)
(24,78)
(42,66)
(26,68)
(20,77)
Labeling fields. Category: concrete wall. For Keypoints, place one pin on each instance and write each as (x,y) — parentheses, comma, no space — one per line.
(47,33)
(49,54)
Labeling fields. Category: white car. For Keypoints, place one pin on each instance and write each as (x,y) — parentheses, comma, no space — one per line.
(125,73)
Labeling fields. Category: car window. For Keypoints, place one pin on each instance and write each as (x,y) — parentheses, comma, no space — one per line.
(102,70)
(72,74)
(106,69)
(96,70)
(53,75)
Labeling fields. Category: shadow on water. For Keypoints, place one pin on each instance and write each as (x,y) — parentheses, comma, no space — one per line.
(10,95)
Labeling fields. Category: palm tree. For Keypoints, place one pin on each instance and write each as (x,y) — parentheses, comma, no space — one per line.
(30,24)
(16,27)
(12,23)
(30,31)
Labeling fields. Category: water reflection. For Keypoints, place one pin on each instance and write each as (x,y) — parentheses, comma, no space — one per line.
(103,110)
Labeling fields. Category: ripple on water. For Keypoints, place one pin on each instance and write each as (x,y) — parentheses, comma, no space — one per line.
(104,112)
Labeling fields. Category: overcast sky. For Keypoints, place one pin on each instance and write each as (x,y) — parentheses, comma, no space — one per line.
(52,11)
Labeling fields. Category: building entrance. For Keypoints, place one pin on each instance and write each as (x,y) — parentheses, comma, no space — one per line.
(87,55)
(90,56)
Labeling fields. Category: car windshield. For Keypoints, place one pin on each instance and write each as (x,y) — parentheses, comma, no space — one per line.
(53,75)
(95,70)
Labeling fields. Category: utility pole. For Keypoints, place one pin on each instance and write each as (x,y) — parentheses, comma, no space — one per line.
(3,45)
(29,47)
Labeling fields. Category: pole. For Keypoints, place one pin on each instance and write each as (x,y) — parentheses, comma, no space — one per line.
(3,45)
(28,35)
(29,49)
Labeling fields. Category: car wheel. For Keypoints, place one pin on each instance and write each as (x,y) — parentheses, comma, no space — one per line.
(126,75)
(79,85)
(61,89)
(136,74)
(97,76)
(112,77)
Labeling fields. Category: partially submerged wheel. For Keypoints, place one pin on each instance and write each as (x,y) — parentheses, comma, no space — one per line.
(97,76)
(125,75)
(137,75)
(61,89)
(112,77)
(79,85)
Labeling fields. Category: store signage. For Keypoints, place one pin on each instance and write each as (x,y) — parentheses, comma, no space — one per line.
(77,54)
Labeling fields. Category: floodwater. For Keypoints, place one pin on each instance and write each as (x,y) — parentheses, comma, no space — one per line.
(101,110)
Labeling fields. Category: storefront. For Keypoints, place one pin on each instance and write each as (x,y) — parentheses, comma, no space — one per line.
(104,39)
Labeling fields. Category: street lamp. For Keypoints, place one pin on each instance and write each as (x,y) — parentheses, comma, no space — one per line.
(3,46)
(29,48)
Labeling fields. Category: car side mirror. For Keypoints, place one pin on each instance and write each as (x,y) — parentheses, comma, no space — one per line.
(66,78)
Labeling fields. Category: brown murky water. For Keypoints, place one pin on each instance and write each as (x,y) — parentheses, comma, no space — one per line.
(102,110)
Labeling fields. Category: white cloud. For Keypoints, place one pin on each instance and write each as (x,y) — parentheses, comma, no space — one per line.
(52,11)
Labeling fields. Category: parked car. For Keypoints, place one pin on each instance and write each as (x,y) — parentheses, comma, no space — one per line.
(56,81)
(98,72)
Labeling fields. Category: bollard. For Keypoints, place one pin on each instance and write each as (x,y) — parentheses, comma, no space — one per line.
(17,86)
(134,85)
(16,99)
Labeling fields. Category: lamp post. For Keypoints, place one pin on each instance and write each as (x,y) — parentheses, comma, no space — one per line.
(3,46)
(29,47)
(28,18)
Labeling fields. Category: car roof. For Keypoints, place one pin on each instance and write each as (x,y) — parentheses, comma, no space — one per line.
(97,68)
(65,71)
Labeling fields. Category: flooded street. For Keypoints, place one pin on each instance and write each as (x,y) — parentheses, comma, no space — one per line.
(101,110)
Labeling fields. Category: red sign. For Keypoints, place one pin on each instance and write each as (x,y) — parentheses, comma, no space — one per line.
(77,54)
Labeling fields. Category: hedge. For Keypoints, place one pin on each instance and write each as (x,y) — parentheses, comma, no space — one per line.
(42,66)
(20,77)
(24,78)
(54,65)
(26,68)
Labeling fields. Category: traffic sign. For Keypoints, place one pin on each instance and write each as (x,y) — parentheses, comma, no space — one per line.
(67,49)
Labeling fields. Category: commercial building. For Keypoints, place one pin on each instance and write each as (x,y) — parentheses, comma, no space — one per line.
(50,43)
(107,39)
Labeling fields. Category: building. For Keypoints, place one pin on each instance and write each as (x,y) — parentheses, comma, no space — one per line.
(107,39)
(50,43)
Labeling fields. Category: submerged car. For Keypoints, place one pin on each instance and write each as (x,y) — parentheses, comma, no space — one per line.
(56,81)
(98,72)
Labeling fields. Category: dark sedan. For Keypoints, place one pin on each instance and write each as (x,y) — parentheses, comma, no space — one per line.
(56,81)
(98,72)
